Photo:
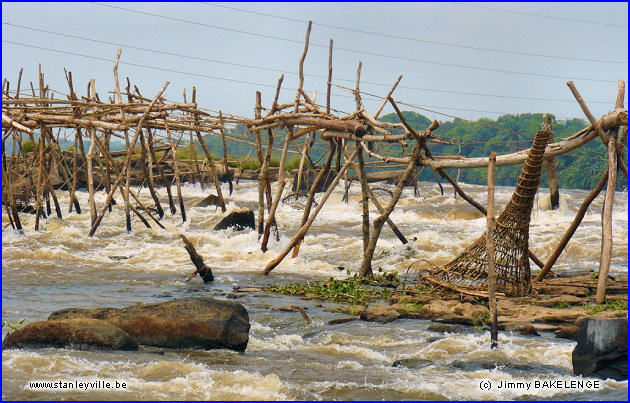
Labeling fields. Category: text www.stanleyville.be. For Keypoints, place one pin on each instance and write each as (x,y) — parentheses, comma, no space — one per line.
(77,385)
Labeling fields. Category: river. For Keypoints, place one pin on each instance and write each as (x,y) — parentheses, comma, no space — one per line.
(286,358)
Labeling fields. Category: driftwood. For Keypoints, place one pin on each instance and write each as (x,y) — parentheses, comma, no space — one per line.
(204,271)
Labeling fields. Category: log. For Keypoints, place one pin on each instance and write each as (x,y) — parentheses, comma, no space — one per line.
(204,271)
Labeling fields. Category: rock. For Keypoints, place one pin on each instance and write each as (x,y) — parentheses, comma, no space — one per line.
(197,322)
(346,309)
(602,349)
(560,301)
(412,363)
(528,330)
(339,321)
(238,220)
(289,308)
(211,200)
(380,313)
(441,328)
(82,334)
(571,332)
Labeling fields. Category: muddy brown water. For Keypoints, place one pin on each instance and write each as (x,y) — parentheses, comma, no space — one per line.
(286,358)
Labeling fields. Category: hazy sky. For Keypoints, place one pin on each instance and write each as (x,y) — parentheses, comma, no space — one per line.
(471,60)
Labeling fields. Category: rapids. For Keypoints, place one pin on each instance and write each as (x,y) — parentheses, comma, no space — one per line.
(61,266)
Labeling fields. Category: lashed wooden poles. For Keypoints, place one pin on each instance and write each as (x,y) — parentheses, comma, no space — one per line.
(147,172)
(366,264)
(110,163)
(10,200)
(311,194)
(573,227)
(604,265)
(176,173)
(492,276)
(304,228)
(279,189)
(213,172)
(127,161)
(165,182)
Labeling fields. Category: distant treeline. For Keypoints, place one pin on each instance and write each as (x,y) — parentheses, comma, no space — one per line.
(579,169)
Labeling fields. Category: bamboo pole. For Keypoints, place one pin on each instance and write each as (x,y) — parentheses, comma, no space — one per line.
(304,229)
(492,276)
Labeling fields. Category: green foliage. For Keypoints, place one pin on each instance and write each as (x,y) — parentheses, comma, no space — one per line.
(610,304)
(293,163)
(28,146)
(481,322)
(355,290)
(13,326)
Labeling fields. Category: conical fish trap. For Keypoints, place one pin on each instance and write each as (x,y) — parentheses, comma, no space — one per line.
(510,236)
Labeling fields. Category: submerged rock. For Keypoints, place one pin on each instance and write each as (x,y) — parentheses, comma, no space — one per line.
(412,363)
(82,334)
(441,328)
(211,200)
(380,313)
(602,349)
(238,220)
(198,322)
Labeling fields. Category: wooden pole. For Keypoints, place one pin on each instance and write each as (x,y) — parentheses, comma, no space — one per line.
(550,163)
(366,264)
(301,168)
(304,229)
(176,173)
(226,168)
(604,265)
(492,276)
(311,195)
(127,162)
(90,177)
(279,189)
(365,227)
(573,227)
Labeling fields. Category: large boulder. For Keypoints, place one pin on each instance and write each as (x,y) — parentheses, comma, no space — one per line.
(79,333)
(197,322)
(211,200)
(238,220)
(602,349)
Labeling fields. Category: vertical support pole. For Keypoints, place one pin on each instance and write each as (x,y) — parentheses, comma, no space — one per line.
(492,277)
(550,163)
(364,204)
(604,264)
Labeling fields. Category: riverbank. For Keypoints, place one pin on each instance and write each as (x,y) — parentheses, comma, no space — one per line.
(557,305)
